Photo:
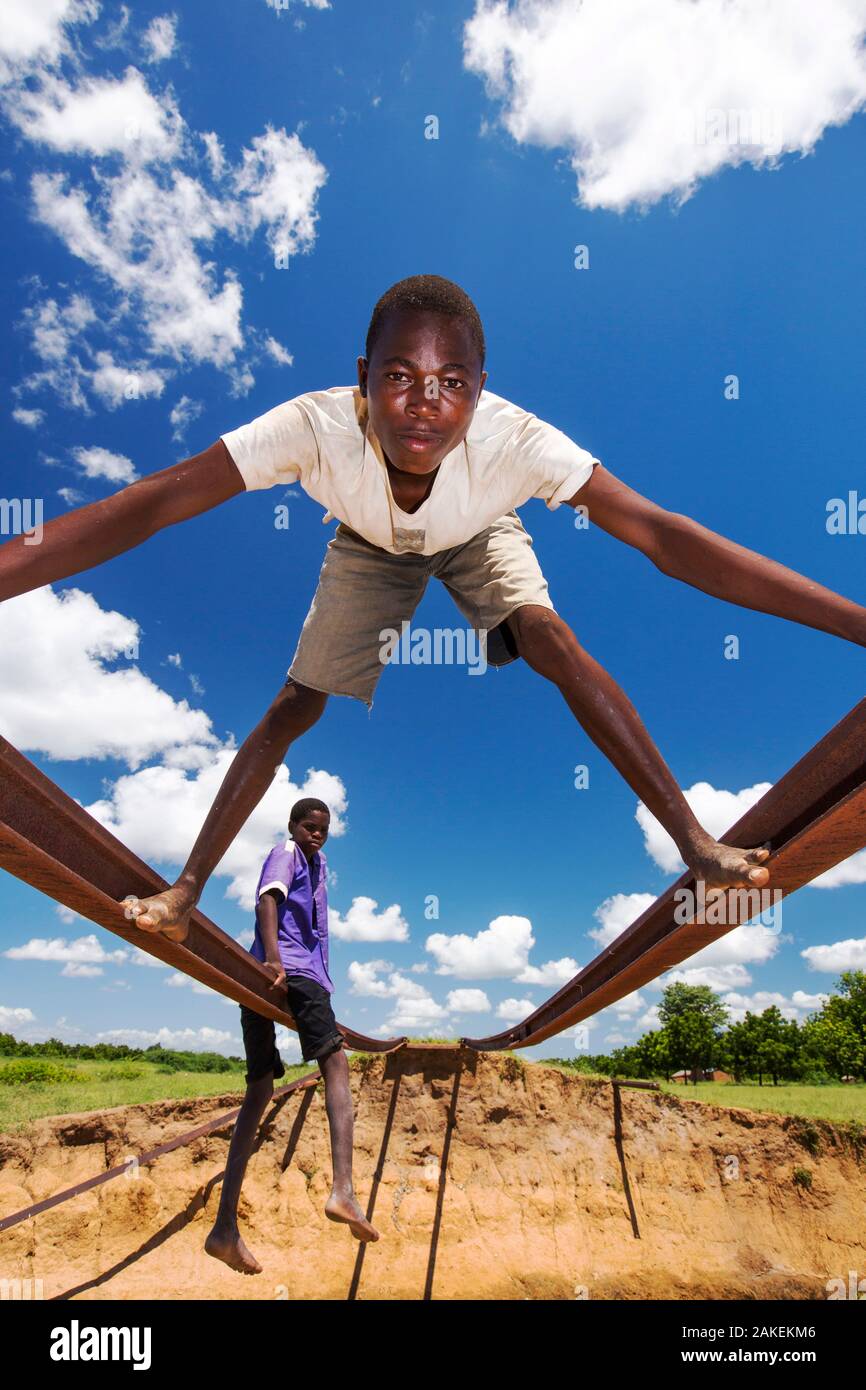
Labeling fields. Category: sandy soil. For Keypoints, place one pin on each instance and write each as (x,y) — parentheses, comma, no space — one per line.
(488,1180)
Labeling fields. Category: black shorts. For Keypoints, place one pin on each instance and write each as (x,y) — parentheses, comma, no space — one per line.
(310,1006)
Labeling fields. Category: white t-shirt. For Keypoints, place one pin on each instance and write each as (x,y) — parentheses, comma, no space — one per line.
(324,441)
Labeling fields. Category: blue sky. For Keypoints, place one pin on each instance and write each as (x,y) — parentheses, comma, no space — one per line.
(155,166)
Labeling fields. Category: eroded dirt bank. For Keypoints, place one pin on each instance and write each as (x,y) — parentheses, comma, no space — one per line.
(489,1180)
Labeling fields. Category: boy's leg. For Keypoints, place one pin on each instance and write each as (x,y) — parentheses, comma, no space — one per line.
(362,591)
(496,581)
(263,1064)
(295,710)
(342,1205)
(549,646)
(225,1242)
(322,1042)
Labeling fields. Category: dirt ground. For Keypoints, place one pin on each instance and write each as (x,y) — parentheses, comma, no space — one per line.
(487,1179)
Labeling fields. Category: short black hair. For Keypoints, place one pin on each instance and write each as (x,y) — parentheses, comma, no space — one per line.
(431,292)
(305,806)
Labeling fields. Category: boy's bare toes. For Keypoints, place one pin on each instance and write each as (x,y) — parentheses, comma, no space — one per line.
(347,1211)
(233,1252)
(757,877)
(165,912)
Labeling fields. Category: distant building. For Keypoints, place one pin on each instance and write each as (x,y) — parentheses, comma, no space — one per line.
(696,1074)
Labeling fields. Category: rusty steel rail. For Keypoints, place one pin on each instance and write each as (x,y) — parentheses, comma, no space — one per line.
(810,820)
(302,1083)
(52,843)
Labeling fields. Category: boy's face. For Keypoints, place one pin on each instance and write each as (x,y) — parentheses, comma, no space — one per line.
(422,385)
(310,832)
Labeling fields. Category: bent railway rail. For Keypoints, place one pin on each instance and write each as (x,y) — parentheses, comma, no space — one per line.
(811,819)
(52,843)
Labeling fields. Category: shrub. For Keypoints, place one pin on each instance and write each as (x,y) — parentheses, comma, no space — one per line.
(29,1071)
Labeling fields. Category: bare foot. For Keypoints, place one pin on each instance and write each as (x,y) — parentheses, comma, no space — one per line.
(166,912)
(346,1209)
(228,1247)
(724,866)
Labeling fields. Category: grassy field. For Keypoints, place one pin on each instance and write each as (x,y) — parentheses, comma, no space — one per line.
(101,1085)
(838,1104)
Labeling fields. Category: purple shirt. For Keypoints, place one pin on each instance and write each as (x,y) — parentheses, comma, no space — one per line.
(302,912)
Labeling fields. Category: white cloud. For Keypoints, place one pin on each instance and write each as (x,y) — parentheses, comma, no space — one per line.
(30,418)
(93,712)
(795,1008)
(513,1010)
(837,956)
(98,117)
(616,913)
(851,870)
(178,981)
(158,811)
(97,462)
(629,1005)
(718,977)
(717,810)
(146,219)
(84,950)
(468,1001)
(81,971)
(281,179)
(160,38)
(116,383)
(417,1015)
(415,1008)
(11,1018)
(553,973)
(749,945)
(215,153)
(646,98)
(140,235)
(36,31)
(186,1039)
(72,367)
(364,977)
(182,415)
(310,4)
(278,352)
(53,329)
(70,496)
(288,1044)
(363,923)
(501,951)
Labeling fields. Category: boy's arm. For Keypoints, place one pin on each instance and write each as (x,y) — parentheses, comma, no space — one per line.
(97,532)
(683,549)
(266,910)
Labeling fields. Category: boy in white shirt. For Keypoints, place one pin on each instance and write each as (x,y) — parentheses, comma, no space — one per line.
(424,468)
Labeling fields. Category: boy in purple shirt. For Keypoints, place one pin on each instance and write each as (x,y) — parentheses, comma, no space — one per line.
(291,940)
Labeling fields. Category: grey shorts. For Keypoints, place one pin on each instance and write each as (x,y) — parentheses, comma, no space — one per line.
(364,592)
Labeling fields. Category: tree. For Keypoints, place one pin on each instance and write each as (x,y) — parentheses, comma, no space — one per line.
(692,1017)
(837,1033)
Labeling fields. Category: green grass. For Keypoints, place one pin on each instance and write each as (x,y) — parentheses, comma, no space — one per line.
(101,1085)
(837,1103)
(834,1103)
